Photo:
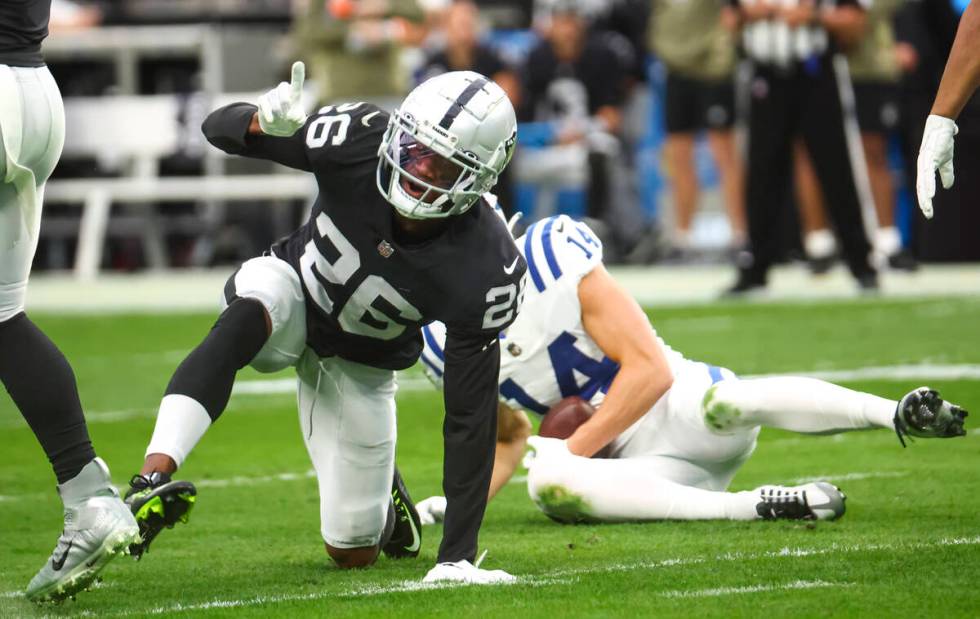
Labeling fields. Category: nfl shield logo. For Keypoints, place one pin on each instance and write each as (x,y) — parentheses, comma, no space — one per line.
(385,249)
(514,349)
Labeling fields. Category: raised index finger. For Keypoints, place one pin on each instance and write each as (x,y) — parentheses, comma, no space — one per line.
(296,82)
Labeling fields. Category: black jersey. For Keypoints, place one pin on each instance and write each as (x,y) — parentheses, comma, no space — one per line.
(367,295)
(23,25)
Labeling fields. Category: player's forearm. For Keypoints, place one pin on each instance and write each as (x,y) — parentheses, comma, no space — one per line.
(226,128)
(470,435)
(636,388)
(961,77)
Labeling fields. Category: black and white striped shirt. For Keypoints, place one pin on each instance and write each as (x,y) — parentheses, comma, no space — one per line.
(773,42)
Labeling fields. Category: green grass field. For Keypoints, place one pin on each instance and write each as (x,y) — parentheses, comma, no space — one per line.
(909,544)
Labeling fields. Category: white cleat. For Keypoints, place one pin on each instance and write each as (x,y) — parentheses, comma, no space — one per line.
(98,527)
(814,501)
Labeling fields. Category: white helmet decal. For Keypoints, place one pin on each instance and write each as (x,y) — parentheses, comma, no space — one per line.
(446,145)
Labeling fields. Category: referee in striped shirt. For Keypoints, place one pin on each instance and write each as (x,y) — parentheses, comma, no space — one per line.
(800,86)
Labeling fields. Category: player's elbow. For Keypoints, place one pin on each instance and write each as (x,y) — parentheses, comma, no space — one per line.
(655,370)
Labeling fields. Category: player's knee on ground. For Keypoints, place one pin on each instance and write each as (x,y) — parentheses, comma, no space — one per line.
(351,558)
(558,494)
(724,406)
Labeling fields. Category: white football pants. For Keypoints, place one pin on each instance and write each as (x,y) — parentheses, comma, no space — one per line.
(346,410)
(678,460)
(32,134)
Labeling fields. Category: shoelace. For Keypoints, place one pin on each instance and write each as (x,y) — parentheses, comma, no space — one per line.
(140,482)
(777,500)
(479,560)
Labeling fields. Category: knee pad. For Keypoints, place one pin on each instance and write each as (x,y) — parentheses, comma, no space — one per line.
(557,495)
(562,504)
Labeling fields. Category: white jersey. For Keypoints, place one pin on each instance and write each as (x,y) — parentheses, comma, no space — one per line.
(546,355)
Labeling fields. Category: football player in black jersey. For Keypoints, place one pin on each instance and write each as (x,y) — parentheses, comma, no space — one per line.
(40,381)
(402,233)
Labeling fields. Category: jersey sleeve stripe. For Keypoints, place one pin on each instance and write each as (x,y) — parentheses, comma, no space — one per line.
(532,265)
(432,365)
(549,251)
(432,344)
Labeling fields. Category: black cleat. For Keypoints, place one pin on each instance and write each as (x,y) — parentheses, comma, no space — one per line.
(157,502)
(748,283)
(821,265)
(903,260)
(406,538)
(923,413)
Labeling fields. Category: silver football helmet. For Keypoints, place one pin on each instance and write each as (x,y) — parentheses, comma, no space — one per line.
(446,145)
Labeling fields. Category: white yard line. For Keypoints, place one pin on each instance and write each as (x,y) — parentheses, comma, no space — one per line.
(796,584)
(251,481)
(232,482)
(411,384)
(562,577)
(850,477)
(885,372)
(925,371)
(566,576)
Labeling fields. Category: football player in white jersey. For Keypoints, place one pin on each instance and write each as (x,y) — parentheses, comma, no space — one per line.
(673,431)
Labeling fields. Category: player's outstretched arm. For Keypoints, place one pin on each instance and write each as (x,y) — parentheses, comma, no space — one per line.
(960,80)
(470,434)
(616,323)
(270,130)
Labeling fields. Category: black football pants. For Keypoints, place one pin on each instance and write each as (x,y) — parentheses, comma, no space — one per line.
(806,103)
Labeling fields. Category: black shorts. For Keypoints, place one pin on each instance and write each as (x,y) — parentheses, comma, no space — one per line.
(696,104)
(877,104)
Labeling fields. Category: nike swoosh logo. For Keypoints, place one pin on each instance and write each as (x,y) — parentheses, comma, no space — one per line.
(367,119)
(510,269)
(56,565)
(416,538)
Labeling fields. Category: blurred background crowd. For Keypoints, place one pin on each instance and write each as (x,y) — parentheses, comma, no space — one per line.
(682,128)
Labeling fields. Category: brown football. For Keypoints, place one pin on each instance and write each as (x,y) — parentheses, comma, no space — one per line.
(564,418)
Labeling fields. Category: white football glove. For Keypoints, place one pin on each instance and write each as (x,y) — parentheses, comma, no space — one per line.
(935,153)
(465,572)
(281,109)
(545,449)
(431,510)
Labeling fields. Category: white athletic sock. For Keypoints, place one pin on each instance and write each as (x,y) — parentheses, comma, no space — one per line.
(630,489)
(819,243)
(181,423)
(805,405)
(888,241)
